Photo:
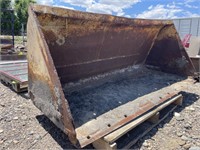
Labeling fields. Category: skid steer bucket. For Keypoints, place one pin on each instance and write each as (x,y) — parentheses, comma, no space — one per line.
(91,73)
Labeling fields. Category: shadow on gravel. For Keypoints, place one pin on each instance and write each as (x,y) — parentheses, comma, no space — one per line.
(59,136)
(62,139)
(22,94)
(188,99)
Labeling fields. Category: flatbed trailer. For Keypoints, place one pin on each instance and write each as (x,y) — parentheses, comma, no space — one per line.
(14,74)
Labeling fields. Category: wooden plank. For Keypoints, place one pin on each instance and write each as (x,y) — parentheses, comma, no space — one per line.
(112,137)
(179,101)
(101,144)
(154,118)
(131,143)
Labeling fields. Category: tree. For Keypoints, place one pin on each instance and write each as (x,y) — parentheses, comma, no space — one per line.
(5,16)
(20,15)
(21,12)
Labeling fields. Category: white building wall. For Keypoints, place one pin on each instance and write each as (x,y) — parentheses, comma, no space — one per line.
(187,26)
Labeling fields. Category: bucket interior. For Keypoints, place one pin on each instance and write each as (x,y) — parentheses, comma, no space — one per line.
(88,99)
(104,62)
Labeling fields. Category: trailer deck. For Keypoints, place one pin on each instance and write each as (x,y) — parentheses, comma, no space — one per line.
(15,75)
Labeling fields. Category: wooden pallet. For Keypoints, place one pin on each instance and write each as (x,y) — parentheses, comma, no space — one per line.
(129,134)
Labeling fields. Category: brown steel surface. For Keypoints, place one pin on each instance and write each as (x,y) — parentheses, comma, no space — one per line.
(66,45)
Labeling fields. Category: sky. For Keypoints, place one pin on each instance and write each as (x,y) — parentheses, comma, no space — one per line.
(148,9)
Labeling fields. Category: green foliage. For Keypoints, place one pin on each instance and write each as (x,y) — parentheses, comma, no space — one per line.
(21,10)
(5,4)
(20,13)
(5,16)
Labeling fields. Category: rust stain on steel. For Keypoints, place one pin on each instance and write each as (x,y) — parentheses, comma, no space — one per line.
(42,74)
(85,43)
(89,43)
(169,44)
(66,45)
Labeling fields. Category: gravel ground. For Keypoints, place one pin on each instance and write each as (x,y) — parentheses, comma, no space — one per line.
(23,126)
(181,130)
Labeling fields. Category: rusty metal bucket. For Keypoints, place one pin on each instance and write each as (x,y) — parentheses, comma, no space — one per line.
(91,74)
